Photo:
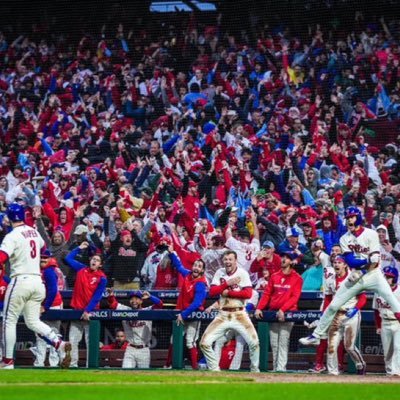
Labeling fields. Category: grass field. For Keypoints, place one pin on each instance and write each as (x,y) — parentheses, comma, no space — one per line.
(162,385)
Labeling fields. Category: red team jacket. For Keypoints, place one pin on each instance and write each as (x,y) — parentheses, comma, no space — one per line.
(86,283)
(186,295)
(274,265)
(3,287)
(52,263)
(282,292)
(227,354)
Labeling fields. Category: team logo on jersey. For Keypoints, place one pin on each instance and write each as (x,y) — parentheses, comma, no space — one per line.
(358,248)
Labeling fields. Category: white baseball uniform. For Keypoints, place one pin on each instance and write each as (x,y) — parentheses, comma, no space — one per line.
(246,253)
(240,342)
(362,245)
(343,328)
(390,333)
(40,349)
(237,320)
(138,335)
(26,290)
(78,329)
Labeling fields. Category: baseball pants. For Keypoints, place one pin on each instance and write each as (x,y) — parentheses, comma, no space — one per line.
(76,331)
(24,295)
(192,332)
(279,334)
(136,358)
(240,322)
(346,329)
(41,345)
(372,281)
(390,336)
(237,358)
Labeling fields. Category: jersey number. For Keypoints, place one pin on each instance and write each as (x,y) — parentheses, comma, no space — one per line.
(33,249)
(249,253)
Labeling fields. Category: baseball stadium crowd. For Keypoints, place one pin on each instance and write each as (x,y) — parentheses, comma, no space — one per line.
(133,143)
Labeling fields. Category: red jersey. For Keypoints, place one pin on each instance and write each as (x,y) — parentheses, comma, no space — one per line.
(227,354)
(3,287)
(282,292)
(86,283)
(57,299)
(167,278)
(186,295)
(273,265)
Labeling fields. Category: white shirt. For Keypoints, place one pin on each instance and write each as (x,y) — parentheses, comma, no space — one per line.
(363,245)
(246,252)
(332,285)
(22,245)
(137,332)
(221,276)
(385,311)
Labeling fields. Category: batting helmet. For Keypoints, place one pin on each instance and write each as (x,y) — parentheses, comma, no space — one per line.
(354,212)
(391,271)
(15,212)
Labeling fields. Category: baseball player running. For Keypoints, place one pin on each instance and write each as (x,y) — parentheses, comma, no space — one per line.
(360,248)
(191,298)
(346,323)
(138,333)
(387,324)
(234,286)
(26,290)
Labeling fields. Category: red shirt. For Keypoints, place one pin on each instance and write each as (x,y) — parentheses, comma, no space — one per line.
(60,283)
(115,346)
(273,265)
(167,278)
(186,295)
(3,286)
(282,292)
(227,354)
(86,283)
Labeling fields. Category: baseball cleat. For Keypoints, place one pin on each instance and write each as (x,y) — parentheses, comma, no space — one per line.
(362,371)
(7,364)
(317,369)
(64,352)
(310,340)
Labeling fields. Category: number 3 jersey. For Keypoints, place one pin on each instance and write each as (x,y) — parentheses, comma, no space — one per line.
(246,252)
(22,245)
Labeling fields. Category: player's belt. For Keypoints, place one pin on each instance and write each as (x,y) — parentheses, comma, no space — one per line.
(232,309)
(389,319)
(137,346)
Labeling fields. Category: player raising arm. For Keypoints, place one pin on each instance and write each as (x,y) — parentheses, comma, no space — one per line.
(360,248)
(138,333)
(26,291)
(90,283)
(191,298)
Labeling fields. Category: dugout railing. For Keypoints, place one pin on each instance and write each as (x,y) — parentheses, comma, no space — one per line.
(167,317)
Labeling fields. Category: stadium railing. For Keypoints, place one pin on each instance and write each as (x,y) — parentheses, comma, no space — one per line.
(168,316)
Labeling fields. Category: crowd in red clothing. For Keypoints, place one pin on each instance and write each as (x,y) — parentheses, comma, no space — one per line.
(257,142)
